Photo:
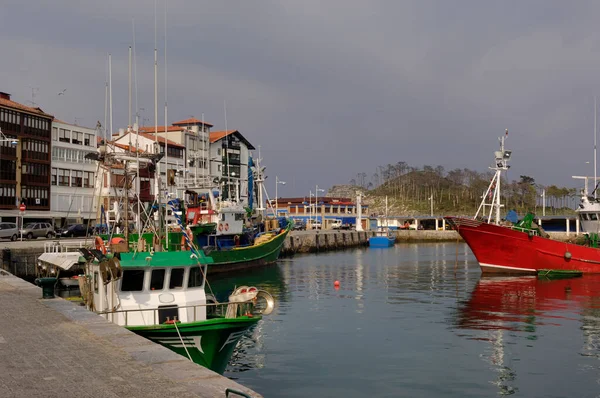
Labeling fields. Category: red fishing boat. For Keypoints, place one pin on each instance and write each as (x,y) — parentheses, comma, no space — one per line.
(519,248)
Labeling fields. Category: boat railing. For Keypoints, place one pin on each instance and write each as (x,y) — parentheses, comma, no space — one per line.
(61,247)
(212,309)
(527,230)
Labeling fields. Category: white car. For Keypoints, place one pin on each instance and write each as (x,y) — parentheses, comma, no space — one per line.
(316,225)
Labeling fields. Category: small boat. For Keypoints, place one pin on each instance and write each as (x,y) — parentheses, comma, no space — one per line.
(383,237)
(520,248)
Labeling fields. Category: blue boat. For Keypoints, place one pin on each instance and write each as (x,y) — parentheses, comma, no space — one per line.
(383,240)
(383,237)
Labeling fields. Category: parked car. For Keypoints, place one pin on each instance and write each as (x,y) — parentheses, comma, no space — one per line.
(336,224)
(9,230)
(75,230)
(299,225)
(38,230)
(316,225)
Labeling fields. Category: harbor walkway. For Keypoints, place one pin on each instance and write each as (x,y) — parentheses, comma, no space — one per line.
(55,349)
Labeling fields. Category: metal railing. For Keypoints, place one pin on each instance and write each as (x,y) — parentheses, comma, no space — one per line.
(212,309)
(61,247)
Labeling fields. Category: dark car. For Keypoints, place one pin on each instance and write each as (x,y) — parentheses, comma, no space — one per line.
(75,230)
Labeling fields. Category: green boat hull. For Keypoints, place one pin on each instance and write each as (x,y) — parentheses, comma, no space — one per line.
(226,260)
(209,343)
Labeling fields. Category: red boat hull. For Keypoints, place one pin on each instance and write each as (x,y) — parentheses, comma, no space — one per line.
(500,249)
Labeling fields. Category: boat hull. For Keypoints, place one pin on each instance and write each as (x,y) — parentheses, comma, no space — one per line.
(237,258)
(502,250)
(209,343)
(381,241)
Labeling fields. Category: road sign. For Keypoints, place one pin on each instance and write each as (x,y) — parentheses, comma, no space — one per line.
(22,207)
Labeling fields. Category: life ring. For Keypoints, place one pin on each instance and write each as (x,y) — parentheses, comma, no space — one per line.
(226,227)
(183,243)
(220,227)
(100,245)
(236,240)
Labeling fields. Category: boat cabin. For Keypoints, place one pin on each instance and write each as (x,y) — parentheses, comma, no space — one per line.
(150,291)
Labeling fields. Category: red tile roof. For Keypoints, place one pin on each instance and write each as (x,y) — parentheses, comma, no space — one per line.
(161,129)
(15,105)
(217,135)
(128,148)
(192,121)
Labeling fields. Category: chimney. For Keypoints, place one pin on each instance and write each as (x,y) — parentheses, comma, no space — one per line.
(4,95)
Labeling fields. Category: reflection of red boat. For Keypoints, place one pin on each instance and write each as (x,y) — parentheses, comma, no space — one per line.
(505,303)
(503,249)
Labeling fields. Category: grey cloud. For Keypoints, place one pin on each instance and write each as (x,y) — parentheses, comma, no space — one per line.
(330,89)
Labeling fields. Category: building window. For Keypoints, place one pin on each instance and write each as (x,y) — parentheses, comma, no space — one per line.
(88,179)
(64,135)
(77,178)
(54,133)
(219,168)
(64,177)
(53,178)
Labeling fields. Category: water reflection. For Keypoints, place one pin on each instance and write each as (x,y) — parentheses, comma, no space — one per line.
(513,313)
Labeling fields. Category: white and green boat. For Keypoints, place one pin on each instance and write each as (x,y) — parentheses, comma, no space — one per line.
(161,296)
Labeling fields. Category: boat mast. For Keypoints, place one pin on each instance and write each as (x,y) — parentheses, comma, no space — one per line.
(501,159)
(595,133)
(167,143)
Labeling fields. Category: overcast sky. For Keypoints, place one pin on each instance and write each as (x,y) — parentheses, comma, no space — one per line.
(330,89)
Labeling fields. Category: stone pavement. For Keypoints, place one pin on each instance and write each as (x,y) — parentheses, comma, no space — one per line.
(56,349)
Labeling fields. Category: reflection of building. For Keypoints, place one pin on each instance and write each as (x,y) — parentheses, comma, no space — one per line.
(73,175)
(25,162)
(229,155)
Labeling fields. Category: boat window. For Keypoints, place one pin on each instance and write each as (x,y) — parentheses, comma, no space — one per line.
(584,216)
(223,216)
(239,216)
(196,279)
(157,279)
(95,281)
(593,216)
(176,281)
(133,280)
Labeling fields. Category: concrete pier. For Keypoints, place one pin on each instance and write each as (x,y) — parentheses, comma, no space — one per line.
(55,349)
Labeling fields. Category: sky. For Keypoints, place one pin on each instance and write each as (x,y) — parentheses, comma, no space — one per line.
(329,89)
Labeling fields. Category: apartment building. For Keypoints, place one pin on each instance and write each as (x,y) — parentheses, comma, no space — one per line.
(229,157)
(25,145)
(73,175)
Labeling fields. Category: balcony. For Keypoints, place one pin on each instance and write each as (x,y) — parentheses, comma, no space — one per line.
(36,156)
(30,179)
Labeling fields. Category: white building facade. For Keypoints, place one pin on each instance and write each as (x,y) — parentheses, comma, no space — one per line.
(229,155)
(72,175)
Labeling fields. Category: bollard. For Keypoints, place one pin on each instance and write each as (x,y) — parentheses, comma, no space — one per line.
(47,285)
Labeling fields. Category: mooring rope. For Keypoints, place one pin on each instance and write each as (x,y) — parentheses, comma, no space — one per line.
(181,339)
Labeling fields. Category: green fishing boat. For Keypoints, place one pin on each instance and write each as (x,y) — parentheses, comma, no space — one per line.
(161,296)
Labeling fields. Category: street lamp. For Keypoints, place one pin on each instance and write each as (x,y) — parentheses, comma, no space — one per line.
(277,182)
(317,189)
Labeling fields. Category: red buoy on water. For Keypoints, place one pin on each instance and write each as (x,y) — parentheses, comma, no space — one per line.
(336,283)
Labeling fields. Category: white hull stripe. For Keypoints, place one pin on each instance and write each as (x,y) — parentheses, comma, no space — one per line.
(506,267)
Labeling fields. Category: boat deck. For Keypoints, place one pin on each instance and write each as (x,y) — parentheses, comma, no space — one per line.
(54,348)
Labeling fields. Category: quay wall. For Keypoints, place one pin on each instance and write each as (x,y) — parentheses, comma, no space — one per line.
(103,359)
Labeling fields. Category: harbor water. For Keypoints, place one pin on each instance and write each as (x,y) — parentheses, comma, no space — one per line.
(417,320)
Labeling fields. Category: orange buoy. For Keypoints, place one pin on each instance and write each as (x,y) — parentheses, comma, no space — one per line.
(336,283)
